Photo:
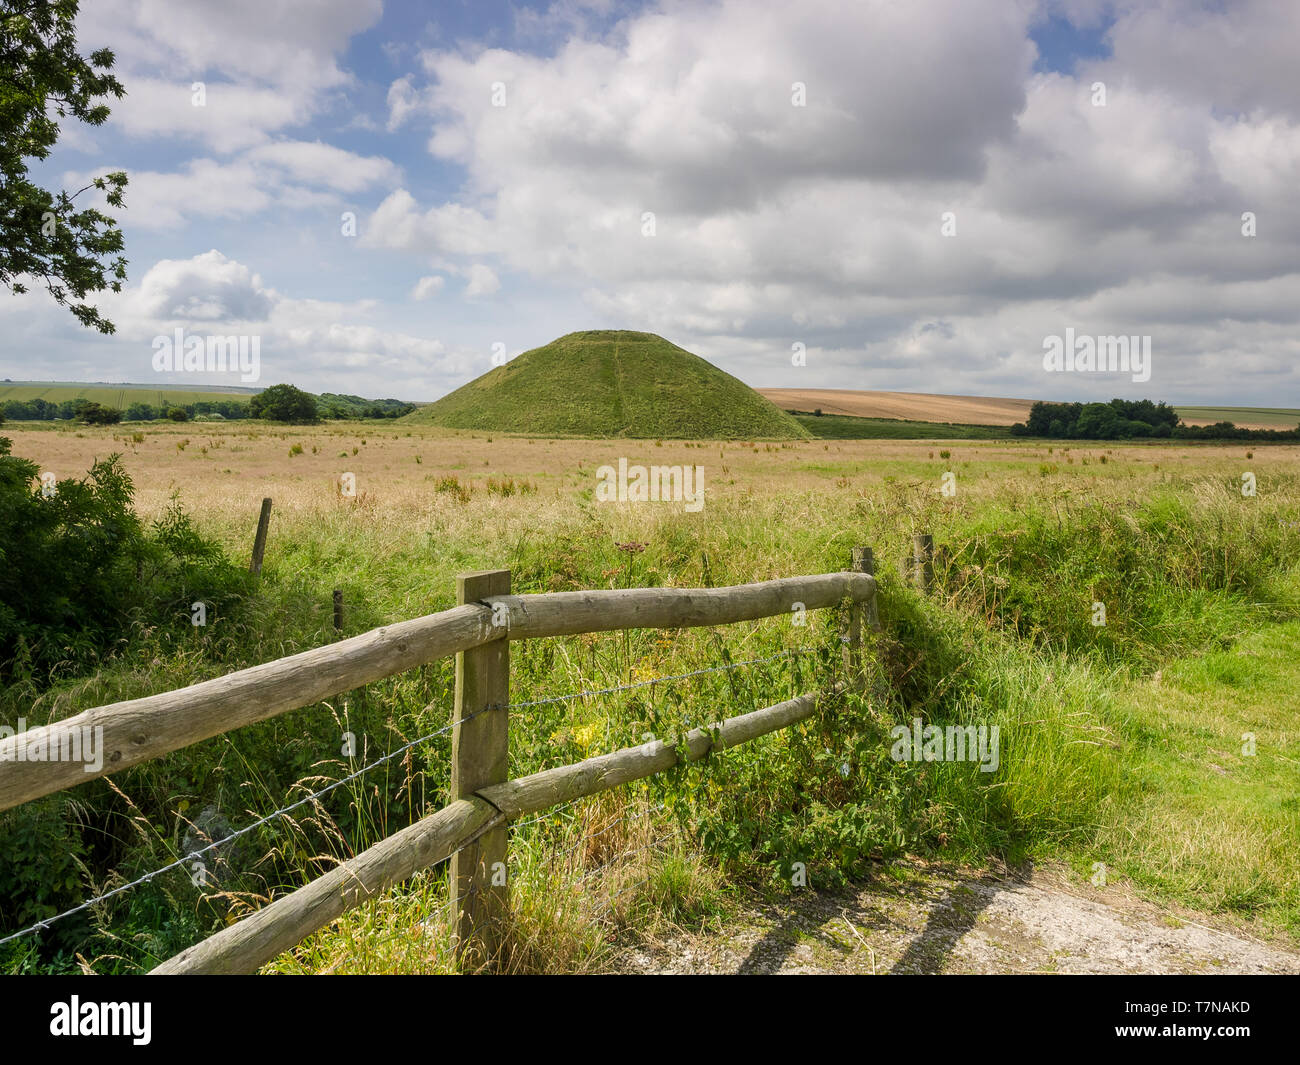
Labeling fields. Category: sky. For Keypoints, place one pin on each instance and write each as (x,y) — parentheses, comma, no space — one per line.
(917,195)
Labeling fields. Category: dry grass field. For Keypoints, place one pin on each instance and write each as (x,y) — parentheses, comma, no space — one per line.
(1106,761)
(908,406)
(986,410)
(222,471)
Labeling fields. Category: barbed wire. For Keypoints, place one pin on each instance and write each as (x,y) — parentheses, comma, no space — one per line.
(45,923)
(548,814)
(312,797)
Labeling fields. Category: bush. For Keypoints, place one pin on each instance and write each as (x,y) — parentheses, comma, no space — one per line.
(41,873)
(97,414)
(77,566)
(140,412)
(450,485)
(284,403)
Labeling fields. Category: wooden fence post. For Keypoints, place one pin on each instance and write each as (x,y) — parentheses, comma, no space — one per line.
(259,542)
(923,561)
(480,755)
(863,562)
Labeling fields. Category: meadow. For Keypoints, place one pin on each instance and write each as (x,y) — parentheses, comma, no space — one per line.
(1123,743)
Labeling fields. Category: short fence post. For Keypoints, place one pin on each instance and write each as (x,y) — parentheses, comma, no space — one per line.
(863,562)
(923,561)
(480,755)
(338,610)
(259,542)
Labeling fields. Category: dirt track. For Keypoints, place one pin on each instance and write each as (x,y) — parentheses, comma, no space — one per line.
(937,920)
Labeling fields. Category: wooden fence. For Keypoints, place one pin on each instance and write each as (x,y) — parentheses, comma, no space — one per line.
(473,829)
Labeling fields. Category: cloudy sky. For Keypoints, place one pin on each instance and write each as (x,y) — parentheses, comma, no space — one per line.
(740,177)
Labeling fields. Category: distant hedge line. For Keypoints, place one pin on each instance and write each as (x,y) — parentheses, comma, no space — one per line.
(328,405)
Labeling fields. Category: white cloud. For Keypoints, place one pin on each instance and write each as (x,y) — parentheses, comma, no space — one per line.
(285,175)
(233,116)
(314,163)
(483,281)
(773,223)
(427,286)
(766,213)
(266,66)
(403,101)
(208,287)
(320,344)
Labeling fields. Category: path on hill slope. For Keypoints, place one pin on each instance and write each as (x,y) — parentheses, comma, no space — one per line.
(939,920)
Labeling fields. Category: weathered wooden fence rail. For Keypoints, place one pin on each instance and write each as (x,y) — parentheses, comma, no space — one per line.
(472,829)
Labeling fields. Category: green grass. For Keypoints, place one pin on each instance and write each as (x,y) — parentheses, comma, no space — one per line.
(1211,817)
(611,383)
(119,396)
(850,427)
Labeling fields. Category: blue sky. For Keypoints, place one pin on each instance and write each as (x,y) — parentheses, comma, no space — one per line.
(512,217)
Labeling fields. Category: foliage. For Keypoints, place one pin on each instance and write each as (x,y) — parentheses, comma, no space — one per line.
(42,871)
(95,414)
(77,566)
(45,236)
(333,405)
(284,403)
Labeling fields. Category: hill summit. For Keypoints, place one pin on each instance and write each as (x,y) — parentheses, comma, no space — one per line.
(609,383)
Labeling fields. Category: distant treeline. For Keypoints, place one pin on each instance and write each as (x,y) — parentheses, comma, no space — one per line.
(329,405)
(333,405)
(41,410)
(1123,419)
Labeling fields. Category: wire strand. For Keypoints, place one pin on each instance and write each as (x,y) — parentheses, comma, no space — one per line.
(45,923)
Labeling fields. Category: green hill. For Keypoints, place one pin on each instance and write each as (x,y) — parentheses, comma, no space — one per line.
(612,382)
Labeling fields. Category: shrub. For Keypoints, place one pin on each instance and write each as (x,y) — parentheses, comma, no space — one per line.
(284,403)
(75,567)
(451,485)
(97,414)
(508,486)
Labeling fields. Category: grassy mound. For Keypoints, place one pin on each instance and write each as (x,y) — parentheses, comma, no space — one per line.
(612,383)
